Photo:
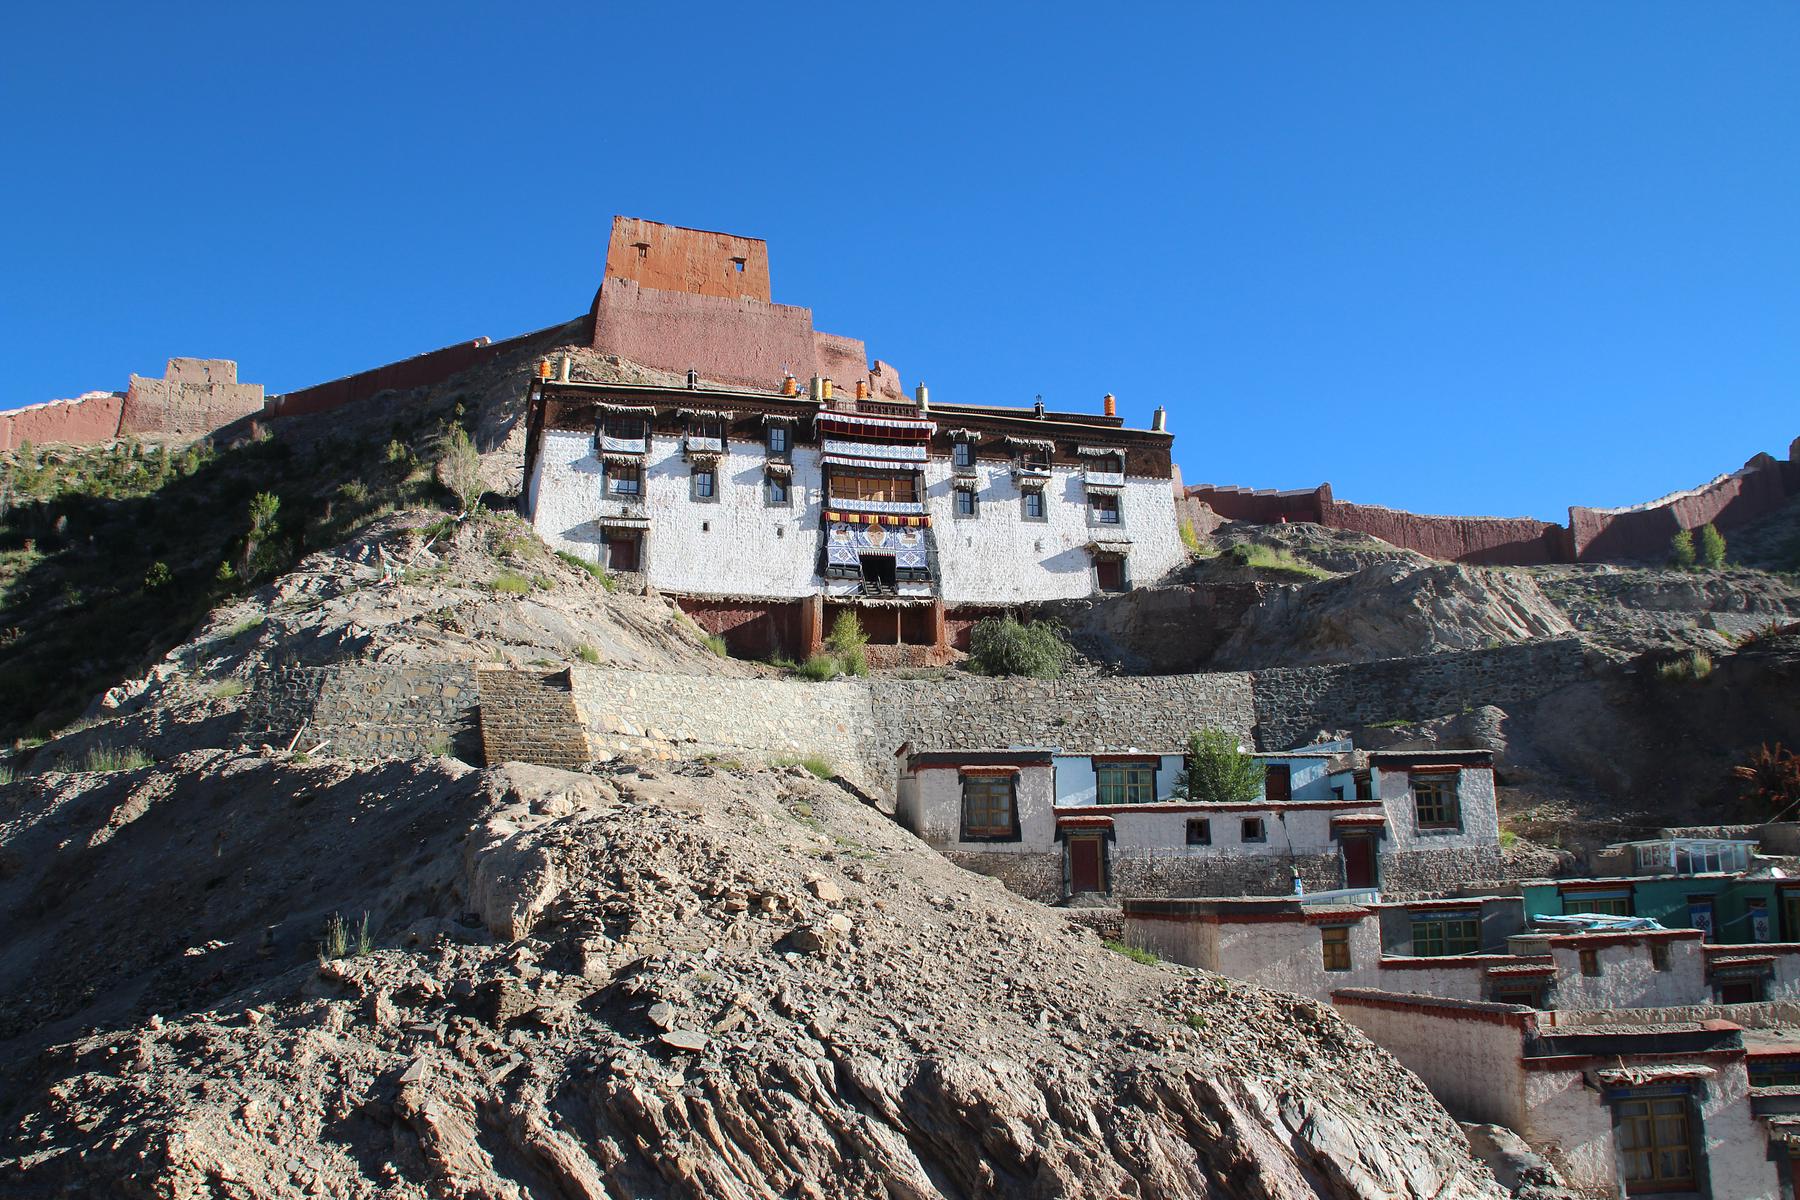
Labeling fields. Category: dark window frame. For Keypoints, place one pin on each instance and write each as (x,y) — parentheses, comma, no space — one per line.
(962,455)
(1145,787)
(786,435)
(1261,836)
(773,480)
(1096,508)
(711,472)
(1199,831)
(1008,832)
(1334,947)
(1437,800)
(960,496)
(1026,496)
(611,479)
(1446,936)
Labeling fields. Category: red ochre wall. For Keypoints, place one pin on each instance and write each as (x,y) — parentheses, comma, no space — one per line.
(89,420)
(751,628)
(742,342)
(1592,535)
(418,371)
(697,261)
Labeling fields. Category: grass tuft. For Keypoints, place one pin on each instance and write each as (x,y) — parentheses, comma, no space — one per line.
(818,668)
(716,644)
(816,764)
(587,653)
(108,758)
(225,689)
(1136,954)
(510,583)
(1691,667)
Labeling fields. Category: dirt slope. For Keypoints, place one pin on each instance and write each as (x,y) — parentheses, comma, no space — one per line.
(701,984)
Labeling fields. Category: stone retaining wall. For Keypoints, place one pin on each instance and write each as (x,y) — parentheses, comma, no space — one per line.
(366,711)
(1293,703)
(530,716)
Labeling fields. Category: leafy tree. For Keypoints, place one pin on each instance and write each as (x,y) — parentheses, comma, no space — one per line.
(1008,646)
(157,577)
(1216,772)
(260,550)
(846,640)
(459,468)
(1711,546)
(1681,550)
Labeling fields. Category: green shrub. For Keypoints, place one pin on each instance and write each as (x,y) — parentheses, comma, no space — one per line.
(594,569)
(354,492)
(1507,838)
(1007,646)
(341,940)
(846,634)
(1136,954)
(1265,558)
(106,758)
(1681,550)
(587,653)
(511,584)
(6,775)
(854,661)
(1688,668)
(816,764)
(1711,546)
(225,689)
(243,627)
(1216,772)
(717,645)
(459,468)
(819,668)
(1189,537)
(158,577)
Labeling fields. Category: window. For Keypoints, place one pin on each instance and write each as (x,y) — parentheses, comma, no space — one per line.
(1740,991)
(1278,783)
(1253,830)
(1590,963)
(624,481)
(1031,502)
(1659,955)
(1365,788)
(988,808)
(1517,994)
(1109,574)
(1606,904)
(1783,1073)
(1335,942)
(965,502)
(737,264)
(630,429)
(778,439)
(776,494)
(1433,937)
(1434,798)
(1125,783)
(703,485)
(1199,832)
(962,456)
(1655,1143)
(1103,509)
(893,489)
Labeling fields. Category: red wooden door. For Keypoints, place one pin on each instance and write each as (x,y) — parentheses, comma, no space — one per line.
(1278,784)
(1359,862)
(1084,865)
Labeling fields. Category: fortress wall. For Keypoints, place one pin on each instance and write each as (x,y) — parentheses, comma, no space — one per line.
(419,371)
(1265,507)
(736,341)
(1643,532)
(86,421)
(194,397)
(1508,541)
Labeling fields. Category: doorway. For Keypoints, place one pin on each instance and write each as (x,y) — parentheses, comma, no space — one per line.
(1359,862)
(1109,574)
(1087,865)
(1278,784)
(879,574)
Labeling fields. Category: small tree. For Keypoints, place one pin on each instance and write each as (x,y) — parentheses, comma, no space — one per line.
(1217,772)
(846,640)
(1711,547)
(1007,646)
(259,543)
(459,468)
(1681,550)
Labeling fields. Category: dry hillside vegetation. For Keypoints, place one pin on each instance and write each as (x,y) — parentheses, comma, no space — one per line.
(706,983)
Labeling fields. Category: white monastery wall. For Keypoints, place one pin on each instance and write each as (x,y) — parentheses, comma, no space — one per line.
(996,556)
(1472,1064)
(565,493)
(735,545)
(1475,798)
(1461,978)
(1290,956)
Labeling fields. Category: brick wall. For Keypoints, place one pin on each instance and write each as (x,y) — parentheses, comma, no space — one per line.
(697,261)
(530,716)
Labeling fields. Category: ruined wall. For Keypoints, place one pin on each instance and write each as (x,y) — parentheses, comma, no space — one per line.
(530,716)
(85,421)
(697,261)
(194,397)
(1510,541)
(1643,531)
(1171,630)
(1293,703)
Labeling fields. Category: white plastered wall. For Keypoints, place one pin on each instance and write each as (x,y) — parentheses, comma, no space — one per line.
(1290,956)
(1474,1066)
(1628,976)
(1475,800)
(997,556)
(735,546)
(938,810)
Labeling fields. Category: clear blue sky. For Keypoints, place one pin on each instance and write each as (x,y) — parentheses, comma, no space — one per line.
(1458,258)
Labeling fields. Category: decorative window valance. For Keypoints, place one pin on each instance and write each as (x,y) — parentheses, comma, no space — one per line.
(965,483)
(853,422)
(778,419)
(842,516)
(1042,445)
(1109,547)
(777,467)
(882,450)
(1104,489)
(704,414)
(627,410)
(871,464)
(964,435)
(622,458)
(1031,481)
(1100,451)
(622,522)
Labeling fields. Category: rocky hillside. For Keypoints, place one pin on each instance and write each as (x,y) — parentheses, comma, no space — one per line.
(707,983)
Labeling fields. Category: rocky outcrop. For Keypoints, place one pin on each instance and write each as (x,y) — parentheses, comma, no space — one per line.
(1391,610)
(696,983)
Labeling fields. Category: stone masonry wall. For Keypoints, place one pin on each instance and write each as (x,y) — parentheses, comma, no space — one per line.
(530,716)
(1293,703)
(366,711)
(1143,873)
